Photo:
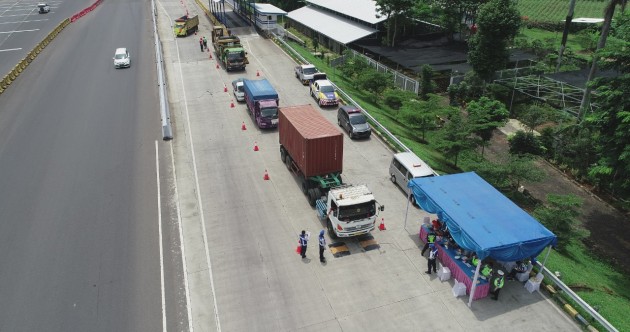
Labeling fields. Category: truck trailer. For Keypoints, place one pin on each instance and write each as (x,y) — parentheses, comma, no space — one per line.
(312,148)
(262,102)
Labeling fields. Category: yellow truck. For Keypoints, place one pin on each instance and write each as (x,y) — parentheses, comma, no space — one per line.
(186,25)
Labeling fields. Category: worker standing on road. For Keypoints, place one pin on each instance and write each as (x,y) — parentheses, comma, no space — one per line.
(201,43)
(497,284)
(205,43)
(433,252)
(303,240)
(322,246)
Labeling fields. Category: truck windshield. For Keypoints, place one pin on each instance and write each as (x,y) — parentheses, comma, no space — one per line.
(236,56)
(270,112)
(358,211)
(308,71)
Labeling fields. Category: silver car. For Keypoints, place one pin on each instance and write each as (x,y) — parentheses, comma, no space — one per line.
(122,58)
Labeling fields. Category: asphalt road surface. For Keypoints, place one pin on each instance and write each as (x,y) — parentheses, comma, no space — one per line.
(22,27)
(79,209)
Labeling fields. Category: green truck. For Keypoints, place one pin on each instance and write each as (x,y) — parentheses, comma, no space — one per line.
(186,25)
(229,49)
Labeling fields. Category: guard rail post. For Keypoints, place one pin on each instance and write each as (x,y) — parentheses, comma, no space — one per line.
(167,132)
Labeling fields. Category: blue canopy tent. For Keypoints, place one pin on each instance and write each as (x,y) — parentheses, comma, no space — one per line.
(480,218)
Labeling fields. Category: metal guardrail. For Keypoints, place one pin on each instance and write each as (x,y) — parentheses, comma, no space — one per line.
(577,299)
(167,131)
(389,136)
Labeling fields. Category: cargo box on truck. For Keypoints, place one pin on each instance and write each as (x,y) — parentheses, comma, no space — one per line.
(262,102)
(312,148)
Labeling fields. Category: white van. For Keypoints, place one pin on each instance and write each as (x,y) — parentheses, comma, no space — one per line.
(406,166)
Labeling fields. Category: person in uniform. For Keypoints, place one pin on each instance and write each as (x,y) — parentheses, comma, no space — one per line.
(520,267)
(430,240)
(433,252)
(303,240)
(496,285)
(486,270)
(322,246)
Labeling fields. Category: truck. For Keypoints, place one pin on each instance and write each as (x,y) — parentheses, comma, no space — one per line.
(228,49)
(323,91)
(348,210)
(186,25)
(262,102)
(305,73)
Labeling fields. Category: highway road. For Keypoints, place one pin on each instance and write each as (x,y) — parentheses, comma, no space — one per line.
(80,149)
(240,231)
(22,27)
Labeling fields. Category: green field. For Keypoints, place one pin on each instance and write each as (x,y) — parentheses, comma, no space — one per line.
(556,10)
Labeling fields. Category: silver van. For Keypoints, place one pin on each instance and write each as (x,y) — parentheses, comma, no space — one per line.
(406,166)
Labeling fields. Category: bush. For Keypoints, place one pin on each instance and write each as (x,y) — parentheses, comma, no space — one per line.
(524,143)
(394,97)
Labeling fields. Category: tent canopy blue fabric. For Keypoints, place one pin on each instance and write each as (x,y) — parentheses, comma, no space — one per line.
(480,218)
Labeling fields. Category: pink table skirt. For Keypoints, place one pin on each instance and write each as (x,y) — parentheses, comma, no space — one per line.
(457,271)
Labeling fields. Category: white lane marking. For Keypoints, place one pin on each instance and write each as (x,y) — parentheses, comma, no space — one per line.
(181,242)
(19,31)
(24,21)
(11,49)
(197,186)
(159,201)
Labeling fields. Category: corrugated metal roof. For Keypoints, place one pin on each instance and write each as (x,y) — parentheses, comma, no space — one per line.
(266,8)
(364,10)
(339,29)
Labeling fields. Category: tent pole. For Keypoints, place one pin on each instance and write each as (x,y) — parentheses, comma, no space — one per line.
(407,211)
(545,261)
(474,284)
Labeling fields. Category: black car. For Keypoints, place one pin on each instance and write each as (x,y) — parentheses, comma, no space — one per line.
(353,121)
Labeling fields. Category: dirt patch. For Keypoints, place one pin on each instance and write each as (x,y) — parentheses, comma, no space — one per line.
(610,229)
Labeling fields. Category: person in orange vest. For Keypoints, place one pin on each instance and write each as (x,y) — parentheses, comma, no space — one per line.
(303,240)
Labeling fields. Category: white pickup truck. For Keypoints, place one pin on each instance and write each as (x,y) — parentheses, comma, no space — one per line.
(305,73)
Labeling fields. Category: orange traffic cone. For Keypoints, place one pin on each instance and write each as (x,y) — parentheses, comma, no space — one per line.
(232,104)
(224,88)
(217,65)
(266,177)
(243,126)
(257,73)
(255,146)
(210,54)
(381,227)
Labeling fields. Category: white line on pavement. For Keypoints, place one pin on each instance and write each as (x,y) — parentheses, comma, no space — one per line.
(159,201)
(11,49)
(24,21)
(197,186)
(19,31)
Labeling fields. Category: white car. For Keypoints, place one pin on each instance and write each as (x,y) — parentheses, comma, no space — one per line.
(122,58)
(237,87)
(43,8)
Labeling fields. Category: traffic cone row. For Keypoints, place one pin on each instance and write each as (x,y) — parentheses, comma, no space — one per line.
(224,88)
(243,126)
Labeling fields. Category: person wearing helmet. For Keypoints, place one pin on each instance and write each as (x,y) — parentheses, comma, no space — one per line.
(322,246)
(433,252)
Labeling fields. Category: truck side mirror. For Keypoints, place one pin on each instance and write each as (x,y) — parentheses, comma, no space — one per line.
(382,208)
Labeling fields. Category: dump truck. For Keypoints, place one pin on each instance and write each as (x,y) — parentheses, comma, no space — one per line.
(262,102)
(348,210)
(228,49)
(304,73)
(186,25)
(312,148)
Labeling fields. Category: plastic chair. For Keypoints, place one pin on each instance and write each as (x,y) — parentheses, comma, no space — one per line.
(444,273)
(533,284)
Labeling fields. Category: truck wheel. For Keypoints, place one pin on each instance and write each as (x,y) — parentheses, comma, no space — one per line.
(312,197)
(317,192)
(331,231)
(283,155)
(393,178)
(287,162)
(304,184)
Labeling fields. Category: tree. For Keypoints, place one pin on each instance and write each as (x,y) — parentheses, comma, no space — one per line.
(609,12)
(510,171)
(498,22)
(393,10)
(374,81)
(560,215)
(426,85)
(485,115)
(533,117)
(420,114)
(315,43)
(523,143)
(454,138)
(353,66)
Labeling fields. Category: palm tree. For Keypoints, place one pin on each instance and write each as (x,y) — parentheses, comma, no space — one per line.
(609,12)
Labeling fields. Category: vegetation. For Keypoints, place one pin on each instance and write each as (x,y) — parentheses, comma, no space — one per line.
(556,10)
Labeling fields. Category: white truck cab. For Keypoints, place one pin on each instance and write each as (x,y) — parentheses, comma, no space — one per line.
(351,210)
